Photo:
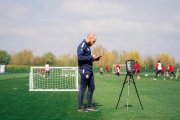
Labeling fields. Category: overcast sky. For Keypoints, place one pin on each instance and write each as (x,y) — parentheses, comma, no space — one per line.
(149,26)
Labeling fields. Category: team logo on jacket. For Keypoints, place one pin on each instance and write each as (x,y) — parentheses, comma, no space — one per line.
(87,76)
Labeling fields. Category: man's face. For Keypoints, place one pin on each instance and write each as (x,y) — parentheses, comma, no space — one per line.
(92,40)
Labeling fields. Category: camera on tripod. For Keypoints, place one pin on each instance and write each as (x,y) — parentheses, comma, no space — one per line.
(130,66)
(130,69)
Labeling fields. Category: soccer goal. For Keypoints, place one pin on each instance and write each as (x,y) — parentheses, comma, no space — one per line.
(58,79)
(2,69)
(122,68)
(178,72)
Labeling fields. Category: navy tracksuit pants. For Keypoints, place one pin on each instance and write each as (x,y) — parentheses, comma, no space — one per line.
(87,80)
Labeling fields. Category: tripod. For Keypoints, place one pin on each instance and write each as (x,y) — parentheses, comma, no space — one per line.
(125,81)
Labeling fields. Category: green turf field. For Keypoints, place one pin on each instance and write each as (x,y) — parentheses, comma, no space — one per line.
(160,99)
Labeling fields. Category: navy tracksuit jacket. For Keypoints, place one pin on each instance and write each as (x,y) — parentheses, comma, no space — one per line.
(85,58)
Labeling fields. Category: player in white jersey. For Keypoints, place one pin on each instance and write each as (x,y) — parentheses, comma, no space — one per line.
(158,69)
(47,69)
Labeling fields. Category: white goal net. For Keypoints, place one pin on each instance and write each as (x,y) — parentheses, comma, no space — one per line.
(58,79)
(122,68)
(178,72)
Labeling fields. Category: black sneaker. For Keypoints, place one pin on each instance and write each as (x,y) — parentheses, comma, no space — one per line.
(91,108)
(82,109)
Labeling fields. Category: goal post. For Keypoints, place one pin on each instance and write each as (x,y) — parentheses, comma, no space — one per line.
(122,68)
(58,79)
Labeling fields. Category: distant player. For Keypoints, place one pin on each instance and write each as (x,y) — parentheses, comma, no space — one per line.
(158,69)
(118,70)
(171,71)
(137,69)
(101,70)
(107,69)
(47,69)
(163,71)
(42,70)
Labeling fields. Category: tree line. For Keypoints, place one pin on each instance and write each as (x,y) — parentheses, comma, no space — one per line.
(26,57)
(148,62)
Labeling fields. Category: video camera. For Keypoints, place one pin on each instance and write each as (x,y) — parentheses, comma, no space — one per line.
(130,66)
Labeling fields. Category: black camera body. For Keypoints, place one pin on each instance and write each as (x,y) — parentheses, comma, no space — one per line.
(130,66)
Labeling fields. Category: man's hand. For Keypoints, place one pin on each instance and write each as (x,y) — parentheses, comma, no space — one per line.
(96,58)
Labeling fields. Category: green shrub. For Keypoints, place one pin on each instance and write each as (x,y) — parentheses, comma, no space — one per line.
(17,69)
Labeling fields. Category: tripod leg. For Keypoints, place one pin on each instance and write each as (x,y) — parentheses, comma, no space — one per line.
(128,92)
(137,92)
(121,91)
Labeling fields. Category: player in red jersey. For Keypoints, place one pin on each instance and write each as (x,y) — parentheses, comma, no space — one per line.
(118,70)
(171,71)
(137,69)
